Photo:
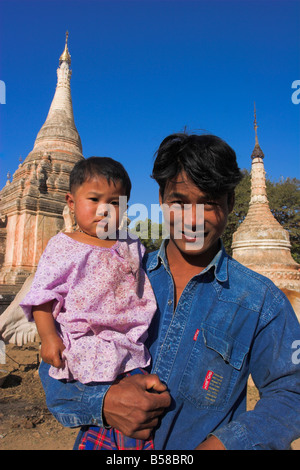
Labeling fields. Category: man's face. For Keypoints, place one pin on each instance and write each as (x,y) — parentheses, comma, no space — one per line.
(202,214)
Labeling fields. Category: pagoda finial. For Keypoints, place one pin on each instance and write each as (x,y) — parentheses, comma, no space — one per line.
(257,152)
(65,57)
(255,126)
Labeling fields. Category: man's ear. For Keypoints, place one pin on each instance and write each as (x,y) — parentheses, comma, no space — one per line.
(231,201)
(70,201)
(160,198)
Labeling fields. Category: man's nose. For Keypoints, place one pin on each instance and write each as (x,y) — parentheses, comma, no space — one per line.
(193,216)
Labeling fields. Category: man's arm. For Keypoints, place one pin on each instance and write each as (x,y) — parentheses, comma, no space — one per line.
(275,421)
(129,405)
(72,403)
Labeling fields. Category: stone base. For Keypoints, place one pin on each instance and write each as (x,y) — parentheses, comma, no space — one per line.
(283,278)
(14,277)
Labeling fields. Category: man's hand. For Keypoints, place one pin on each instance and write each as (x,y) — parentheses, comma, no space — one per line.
(134,404)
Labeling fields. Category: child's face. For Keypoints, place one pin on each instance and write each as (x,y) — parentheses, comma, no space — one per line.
(96,206)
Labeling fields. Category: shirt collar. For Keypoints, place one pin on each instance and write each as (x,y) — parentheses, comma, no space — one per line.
(219,262)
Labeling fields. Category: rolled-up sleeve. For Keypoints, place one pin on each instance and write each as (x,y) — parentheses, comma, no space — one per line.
(72,403)
(50,282)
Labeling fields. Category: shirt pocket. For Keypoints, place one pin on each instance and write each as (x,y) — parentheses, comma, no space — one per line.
(212,369)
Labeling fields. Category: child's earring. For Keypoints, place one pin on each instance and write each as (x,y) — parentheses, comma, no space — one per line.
(69,221)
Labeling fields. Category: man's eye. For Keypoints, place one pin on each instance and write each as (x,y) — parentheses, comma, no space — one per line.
(176,203)
(210,204)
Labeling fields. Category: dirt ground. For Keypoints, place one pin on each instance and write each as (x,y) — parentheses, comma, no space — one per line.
(25,422)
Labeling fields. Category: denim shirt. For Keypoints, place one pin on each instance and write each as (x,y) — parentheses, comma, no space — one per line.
(229,322)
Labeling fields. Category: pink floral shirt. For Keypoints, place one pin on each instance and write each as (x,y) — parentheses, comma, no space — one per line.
(103,305)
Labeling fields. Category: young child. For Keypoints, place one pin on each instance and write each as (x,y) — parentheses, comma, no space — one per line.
(91,300)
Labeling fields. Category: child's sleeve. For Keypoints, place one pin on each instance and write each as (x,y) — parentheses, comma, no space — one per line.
(50,280)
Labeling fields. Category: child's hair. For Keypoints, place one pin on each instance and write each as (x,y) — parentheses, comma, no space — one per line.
(93,167)
(207,160)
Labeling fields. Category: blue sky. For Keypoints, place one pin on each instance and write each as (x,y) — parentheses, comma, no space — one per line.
(143,69)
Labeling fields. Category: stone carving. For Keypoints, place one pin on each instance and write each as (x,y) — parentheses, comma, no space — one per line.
(14,326)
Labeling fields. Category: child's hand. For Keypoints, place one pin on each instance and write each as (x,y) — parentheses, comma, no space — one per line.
(51,350)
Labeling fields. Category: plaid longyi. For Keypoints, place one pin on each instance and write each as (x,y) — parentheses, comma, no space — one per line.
(97,438)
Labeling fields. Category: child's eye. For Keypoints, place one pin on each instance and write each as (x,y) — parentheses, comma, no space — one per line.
(94,199)
(115,203)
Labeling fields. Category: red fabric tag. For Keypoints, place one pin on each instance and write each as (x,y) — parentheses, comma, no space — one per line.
(207,380)
(196,335)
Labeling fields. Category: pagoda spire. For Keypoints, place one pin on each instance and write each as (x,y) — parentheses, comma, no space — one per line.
(32,203)
(260,242)
(258,174)
(65,57)
(59,132)
(257,151)
(255,126)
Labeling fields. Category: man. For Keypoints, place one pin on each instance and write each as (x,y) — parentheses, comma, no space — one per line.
(217,322)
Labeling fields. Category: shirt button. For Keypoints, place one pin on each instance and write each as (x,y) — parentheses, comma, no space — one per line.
(170,302)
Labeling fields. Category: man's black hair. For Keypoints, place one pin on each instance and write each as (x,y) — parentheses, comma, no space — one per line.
(93,167)
(207,160)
